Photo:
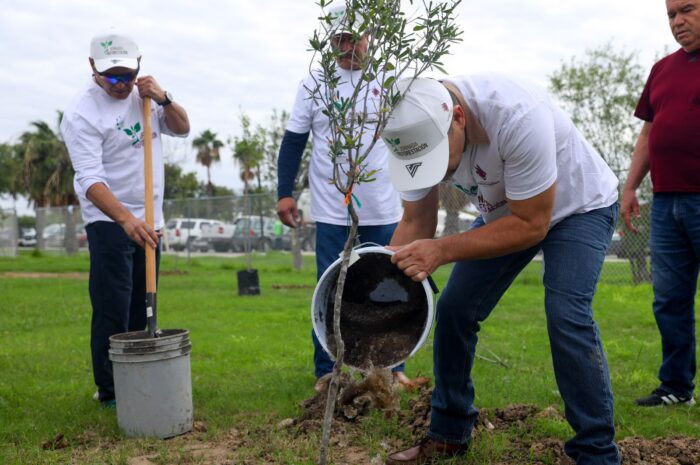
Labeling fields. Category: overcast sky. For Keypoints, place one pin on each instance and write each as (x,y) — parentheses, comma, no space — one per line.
(223,57)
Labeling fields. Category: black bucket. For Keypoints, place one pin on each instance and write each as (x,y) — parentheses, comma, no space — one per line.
(248,282)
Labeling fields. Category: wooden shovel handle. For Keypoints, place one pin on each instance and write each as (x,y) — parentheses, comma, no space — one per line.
(148,175)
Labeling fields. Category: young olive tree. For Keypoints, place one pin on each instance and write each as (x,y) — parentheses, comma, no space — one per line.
(399,46)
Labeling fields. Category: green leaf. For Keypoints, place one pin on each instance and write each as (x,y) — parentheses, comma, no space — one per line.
(440,68)
(137,127)
(388,83)
(128,132)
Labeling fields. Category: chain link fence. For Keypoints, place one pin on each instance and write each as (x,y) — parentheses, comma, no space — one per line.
(236,224)
(8,233)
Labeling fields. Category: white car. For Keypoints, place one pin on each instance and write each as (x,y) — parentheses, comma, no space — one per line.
(180,233)
(27,237)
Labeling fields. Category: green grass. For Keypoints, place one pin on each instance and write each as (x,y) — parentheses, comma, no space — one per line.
(252,358)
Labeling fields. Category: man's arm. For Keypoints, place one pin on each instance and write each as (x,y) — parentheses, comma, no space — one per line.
(419,219)
(176,119)
(138,230)
(175,116)
(638,170)
(291,152)
(525,227)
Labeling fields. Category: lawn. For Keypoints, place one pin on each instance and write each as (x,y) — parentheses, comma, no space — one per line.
(252,358)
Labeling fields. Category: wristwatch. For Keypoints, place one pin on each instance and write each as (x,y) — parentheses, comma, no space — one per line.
(168,99)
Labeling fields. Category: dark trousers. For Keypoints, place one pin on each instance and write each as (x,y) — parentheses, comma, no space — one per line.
(117,294)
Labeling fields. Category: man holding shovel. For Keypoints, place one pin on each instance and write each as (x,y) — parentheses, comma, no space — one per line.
(540,186)
(103,131)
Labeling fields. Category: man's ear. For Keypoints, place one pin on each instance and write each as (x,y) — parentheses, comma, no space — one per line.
(459,118)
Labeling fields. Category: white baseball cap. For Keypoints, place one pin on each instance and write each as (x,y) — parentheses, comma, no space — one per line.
(112,50)
(341,22)
(416,134)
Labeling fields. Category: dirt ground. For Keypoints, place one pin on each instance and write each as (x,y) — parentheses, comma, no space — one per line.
(297,440)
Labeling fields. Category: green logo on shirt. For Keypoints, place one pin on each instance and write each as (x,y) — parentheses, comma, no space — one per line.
(134,131)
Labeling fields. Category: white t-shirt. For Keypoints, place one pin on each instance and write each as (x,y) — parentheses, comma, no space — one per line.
(380,202)
(532,144)
(104,137)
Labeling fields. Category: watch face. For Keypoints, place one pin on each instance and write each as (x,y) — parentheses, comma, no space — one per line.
(168,96)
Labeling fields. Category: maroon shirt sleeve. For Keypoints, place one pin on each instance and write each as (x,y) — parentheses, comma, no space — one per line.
(644,110)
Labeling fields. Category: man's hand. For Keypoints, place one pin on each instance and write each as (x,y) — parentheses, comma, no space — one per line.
(419,259)
(629,207)
(149,87)
(140,232)
(287,211)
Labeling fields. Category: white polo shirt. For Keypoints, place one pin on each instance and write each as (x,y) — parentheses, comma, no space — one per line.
(104,137)
(532,144)
(380,202)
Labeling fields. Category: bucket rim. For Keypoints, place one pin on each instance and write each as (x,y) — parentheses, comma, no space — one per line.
(176,333)
(331,269)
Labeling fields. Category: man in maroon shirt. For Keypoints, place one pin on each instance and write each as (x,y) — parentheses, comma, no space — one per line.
(669,148)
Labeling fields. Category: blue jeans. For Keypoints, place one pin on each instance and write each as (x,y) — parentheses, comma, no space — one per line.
(574,250)
(117,293)
(330,241)
(675,260)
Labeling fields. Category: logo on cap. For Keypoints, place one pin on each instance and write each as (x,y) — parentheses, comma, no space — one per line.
(413,168)
(394,142)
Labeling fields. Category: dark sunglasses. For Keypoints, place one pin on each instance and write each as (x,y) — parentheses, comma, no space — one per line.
(113,79)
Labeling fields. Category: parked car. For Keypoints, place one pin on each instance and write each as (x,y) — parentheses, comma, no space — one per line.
(27,237)
(181,232)
(219,237)
(247,229)
(54,235)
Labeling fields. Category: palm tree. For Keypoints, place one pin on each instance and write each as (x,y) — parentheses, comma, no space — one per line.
(48,174)
(47,170)
(208,146)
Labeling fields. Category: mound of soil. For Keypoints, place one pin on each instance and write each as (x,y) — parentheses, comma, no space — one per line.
(297,440)
(518,417)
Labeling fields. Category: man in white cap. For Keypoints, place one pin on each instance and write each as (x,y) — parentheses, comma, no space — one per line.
(381,208)
(539,186)
(103,130)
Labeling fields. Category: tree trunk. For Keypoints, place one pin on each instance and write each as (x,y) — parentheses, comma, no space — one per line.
(340,346)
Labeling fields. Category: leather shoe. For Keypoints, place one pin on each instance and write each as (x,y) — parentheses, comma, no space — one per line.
(425,451)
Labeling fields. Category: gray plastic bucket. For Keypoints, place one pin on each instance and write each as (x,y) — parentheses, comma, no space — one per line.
(385,317)
(152,383)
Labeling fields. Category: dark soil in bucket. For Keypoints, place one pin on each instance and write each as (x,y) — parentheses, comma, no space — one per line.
(382,316)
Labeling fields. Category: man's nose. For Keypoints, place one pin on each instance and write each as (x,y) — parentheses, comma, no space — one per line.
(677,20)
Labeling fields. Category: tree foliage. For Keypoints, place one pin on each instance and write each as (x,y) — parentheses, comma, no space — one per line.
(248,152)
(600,92)
(207,145)
(398,47)
(179,185)
(10,171)
(47,172)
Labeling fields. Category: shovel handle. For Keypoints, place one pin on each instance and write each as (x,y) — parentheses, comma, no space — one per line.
(148,175)
(150,252)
